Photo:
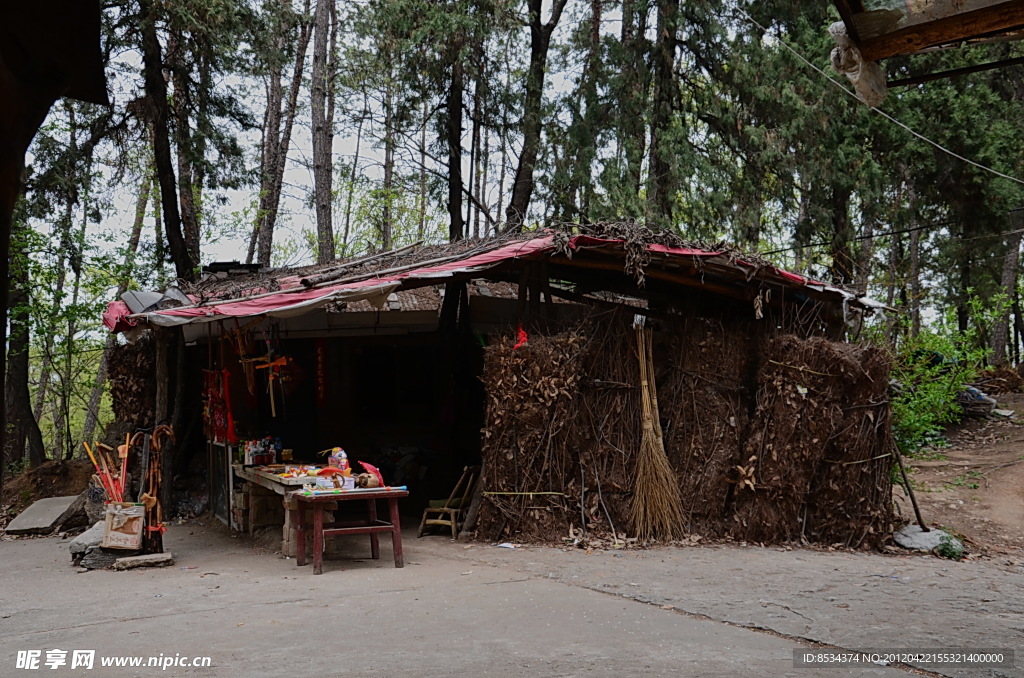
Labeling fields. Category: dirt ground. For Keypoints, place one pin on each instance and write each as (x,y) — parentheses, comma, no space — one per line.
(52,479)
(975,487)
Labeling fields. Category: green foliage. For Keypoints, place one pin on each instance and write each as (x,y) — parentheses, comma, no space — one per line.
(949,547)
(930,369)
(969,480)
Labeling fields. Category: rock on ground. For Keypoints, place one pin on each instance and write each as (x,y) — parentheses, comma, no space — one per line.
(913,538)
(148,560)
(99,558)
(94,501)
(83,542)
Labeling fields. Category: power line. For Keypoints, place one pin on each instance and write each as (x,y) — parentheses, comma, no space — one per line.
(860,237)
(905,230)
(881,112)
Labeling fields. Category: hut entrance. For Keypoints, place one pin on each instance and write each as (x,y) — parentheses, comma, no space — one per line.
(409,404)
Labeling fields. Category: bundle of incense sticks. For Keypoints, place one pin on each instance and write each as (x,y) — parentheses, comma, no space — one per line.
(114,487)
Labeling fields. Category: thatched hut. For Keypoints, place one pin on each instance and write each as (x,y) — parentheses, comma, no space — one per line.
(520,352)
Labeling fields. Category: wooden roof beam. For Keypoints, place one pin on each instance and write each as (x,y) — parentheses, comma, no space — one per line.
(999,18)
(846,13)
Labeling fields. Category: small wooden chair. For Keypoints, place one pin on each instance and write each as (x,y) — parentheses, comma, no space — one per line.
(450,511)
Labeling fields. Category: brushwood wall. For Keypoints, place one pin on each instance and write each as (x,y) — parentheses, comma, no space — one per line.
(775,434)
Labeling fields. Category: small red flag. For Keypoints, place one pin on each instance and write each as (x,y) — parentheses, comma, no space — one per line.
(521,338)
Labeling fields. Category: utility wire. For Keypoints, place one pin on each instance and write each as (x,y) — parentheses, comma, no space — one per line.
(859,237)
(925,227)
(880,111)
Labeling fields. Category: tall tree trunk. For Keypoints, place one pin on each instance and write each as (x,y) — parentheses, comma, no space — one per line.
(801,234)
(592,122)
(156,94)
(92,412)
(892,283)
(751,212)
(353,174)
(661,186)
(422,227)
(179,62)
(966,266)
(503,135)
(540,41)
(482,188)
(65,250)
(474,159)
(159,250)
(1018,327)
(50,324)
(864,256)
(22,426)
(277,140)
(12,159)
(915,283)
(633,98)
(67,447)
(1000,333)
(456,227)
(387,215)
(322,134)
(842,235)
(268,142)
(895,286)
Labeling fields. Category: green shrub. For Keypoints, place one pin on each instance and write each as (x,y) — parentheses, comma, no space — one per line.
(930,369)
(949,548)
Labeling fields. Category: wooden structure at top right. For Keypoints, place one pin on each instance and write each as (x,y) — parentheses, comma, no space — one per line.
(886,28)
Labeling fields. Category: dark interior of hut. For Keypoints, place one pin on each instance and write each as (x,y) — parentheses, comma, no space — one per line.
(411,405)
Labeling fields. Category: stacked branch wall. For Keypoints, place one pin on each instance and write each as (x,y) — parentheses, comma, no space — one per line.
(805,416)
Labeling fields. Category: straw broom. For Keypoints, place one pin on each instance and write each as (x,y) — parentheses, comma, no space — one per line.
(656,510)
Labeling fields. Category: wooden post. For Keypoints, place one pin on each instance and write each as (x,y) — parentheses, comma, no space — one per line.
(910,491)
(469,524)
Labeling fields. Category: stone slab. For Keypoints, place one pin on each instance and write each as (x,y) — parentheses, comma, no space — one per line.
(148,560)
(42,516)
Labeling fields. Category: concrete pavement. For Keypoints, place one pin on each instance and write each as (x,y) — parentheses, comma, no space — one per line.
(479,611)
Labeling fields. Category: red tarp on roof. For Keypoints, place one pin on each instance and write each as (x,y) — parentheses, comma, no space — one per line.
(297,301)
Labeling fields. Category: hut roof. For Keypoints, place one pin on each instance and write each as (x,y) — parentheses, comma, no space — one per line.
(616,257)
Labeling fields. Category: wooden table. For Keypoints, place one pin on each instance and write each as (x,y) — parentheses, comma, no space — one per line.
(271,481)
(371,526)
